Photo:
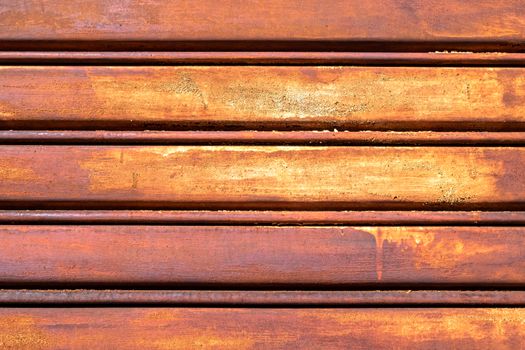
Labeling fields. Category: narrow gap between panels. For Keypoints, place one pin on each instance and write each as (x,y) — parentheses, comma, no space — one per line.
(263,138)
(306,206)
(219,287)
(258,224)
(283,46)
(263,306)
(45,63)
(64,129)
(60,128)
(261,58)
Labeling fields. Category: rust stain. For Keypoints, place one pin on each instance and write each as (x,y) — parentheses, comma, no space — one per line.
(429,249)
(206,339)
(23,332)
(509,176)
(12,172)
(135,180)
(379,253)
(513,86)
(400,174)
(346,96)
(148,93)
(7,113)
(484,328)
(430,324)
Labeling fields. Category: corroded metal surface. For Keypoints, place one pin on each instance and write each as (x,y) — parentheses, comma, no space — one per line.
(188,328)
(257,177)
(270,98)
(258,256)
(312,20)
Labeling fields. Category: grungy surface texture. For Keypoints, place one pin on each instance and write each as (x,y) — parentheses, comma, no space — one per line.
(262,97)
(189,328)
(275,298)
(247,255)
(263,177)
(375,20)
(271,106)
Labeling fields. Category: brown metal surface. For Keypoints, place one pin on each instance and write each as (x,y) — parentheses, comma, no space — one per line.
(261,256)
(189,328)
(496,23)
(267,98)
(259,177)
(262,174)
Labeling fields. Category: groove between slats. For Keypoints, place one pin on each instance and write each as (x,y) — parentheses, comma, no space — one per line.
(263,137)
(265,46)
(443,58)
(228,217)
(261,298)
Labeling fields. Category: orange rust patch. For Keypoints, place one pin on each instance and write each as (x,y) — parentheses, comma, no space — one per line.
(9,172)
(427,325)
(297,93)
(206,339)
(400,174)
(430,249)
(347,97)
(150,93)
(22,332)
